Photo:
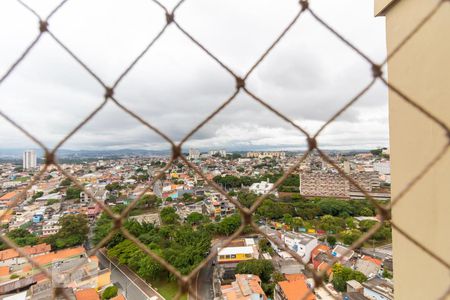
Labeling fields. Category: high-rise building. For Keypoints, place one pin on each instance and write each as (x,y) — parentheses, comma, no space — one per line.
(29,159)
(194,153)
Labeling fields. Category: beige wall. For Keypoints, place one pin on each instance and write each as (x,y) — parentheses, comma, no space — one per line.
(421,70)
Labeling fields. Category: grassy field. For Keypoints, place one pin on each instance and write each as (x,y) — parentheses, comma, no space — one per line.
(168,289)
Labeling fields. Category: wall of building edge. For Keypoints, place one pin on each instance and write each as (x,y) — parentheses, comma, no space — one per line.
(422,70)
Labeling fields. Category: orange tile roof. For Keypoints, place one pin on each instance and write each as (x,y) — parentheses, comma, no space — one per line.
(41,277)
(296,289)
(118,297)
(320,248)
(27,268)
(374,260)
(9,196)
(235,291)
(87,294)
(323,266)
(293,277)
(4,271)
(30,250)
(39,248)
(8,254)
(59,255)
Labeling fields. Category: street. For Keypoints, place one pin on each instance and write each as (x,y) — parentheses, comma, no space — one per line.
(204,281)
(131,285)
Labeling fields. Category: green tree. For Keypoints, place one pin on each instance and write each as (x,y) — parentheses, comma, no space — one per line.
(21,237)
(229,224)
(65,182)
(365,225)
(110,292)
(148,201)
(264,245)
(169,216)
(384,233)
(350,236)
(73,193)
(114,186)
(331,240)
(366,212)
(261,267)
(73,232)
(343,274)
(37,195)
(196,218)
(387,274)
(330,223)
(297,222)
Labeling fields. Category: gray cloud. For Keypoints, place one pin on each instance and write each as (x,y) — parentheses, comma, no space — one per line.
(308,76)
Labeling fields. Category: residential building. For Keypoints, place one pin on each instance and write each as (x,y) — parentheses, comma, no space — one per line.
(11,256)
(246,287)
(341,251)
(293,288)
(194,153)
(261,188)
(323,184)
(266,154)
(237,254)
(221,153)
(29,160)
(378,289)
(303,244)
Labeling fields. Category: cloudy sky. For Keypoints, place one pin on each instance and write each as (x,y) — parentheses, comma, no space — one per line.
(308,76)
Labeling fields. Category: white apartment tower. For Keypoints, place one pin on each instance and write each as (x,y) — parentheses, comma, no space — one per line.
(29,159)
(194,153)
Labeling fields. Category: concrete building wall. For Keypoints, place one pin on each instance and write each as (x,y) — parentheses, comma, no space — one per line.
(422,70)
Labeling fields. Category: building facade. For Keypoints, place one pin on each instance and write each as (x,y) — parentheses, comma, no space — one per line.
(421,70)
(29,160)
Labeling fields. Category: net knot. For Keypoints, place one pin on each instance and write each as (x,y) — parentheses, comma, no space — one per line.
(385,214)
(49,158)
(176,152)
(246,216)
(109,92)
(43,26)
(304,4)
(169,18)
(117,222)
(312,143)
(240,83)
(376,71)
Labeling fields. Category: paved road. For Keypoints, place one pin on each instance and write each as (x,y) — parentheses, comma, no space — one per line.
(204,281)
(131,285)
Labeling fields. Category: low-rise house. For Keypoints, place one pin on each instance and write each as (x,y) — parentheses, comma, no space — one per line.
(45,198)
(378,289)
(293,288)
(302,244)
(239,250)
(10,257)
(354,286)
(246,287)
(368,267)
(341,251)
(263,187)
(50,227)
